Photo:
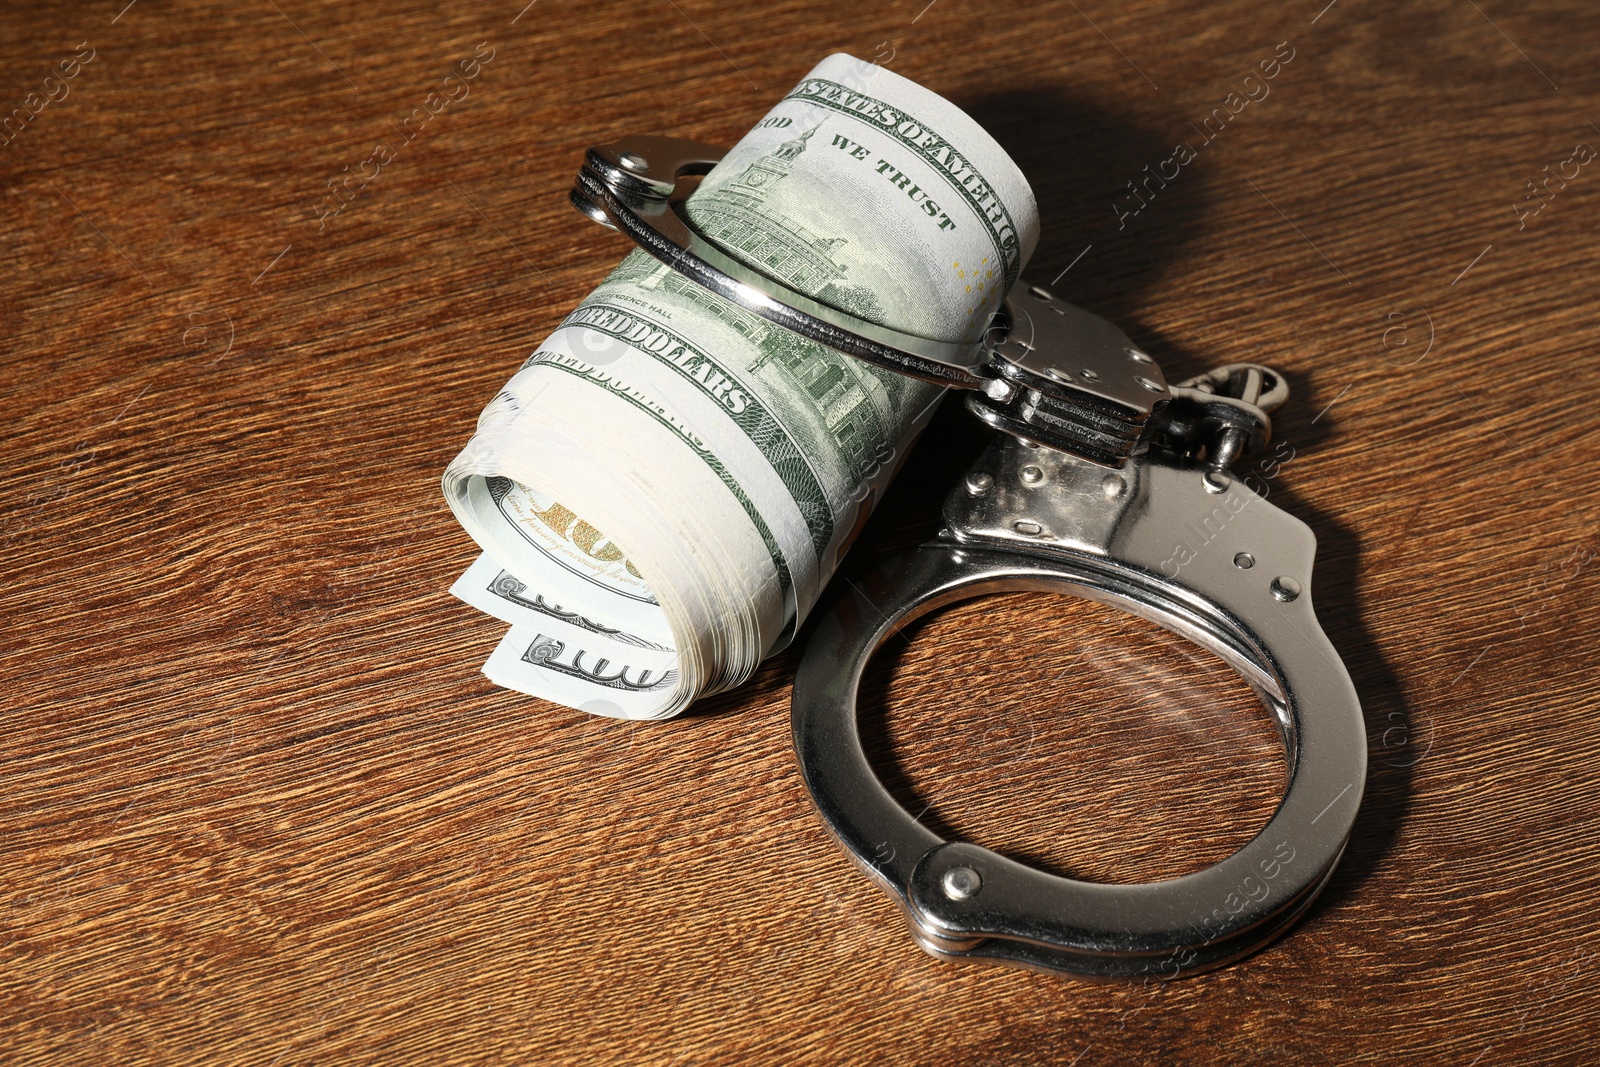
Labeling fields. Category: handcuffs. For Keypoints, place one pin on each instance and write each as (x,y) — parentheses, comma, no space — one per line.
(1101,483)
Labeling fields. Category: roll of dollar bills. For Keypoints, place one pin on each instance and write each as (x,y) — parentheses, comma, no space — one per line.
(664,487)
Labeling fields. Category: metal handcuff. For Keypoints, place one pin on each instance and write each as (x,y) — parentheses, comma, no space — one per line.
(1101,476)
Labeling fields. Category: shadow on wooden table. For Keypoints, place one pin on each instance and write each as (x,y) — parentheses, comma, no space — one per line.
(1090,171)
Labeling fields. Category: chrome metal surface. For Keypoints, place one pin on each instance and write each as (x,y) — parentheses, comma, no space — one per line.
(642,201)
(1068,379)
(1135,549)
(961,883)
(1168,534)
(1046,371)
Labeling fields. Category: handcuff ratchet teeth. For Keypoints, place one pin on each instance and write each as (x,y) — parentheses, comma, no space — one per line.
(1106,483)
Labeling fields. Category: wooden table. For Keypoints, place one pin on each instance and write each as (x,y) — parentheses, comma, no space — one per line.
(261,807)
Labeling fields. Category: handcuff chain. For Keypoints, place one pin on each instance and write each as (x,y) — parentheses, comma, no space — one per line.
(1219,415)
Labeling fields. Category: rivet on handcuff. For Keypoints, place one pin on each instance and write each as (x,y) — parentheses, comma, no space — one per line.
(1100,471)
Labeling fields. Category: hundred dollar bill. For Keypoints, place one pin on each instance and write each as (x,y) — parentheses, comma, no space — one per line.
(664,487)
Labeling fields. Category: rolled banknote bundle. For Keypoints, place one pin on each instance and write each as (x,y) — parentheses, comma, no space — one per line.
(664,487)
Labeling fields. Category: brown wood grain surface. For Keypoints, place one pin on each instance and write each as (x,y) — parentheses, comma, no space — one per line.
(260,806)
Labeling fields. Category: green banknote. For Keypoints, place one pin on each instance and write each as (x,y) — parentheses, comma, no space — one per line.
(664,487)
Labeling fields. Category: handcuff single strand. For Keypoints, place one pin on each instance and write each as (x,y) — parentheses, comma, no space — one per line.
(1100,472)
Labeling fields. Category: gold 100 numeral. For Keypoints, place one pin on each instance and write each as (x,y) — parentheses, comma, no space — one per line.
(561,521)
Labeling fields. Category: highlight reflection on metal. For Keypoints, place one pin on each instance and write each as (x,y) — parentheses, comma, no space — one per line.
(1100,471)
(1035,519)
(635,185)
